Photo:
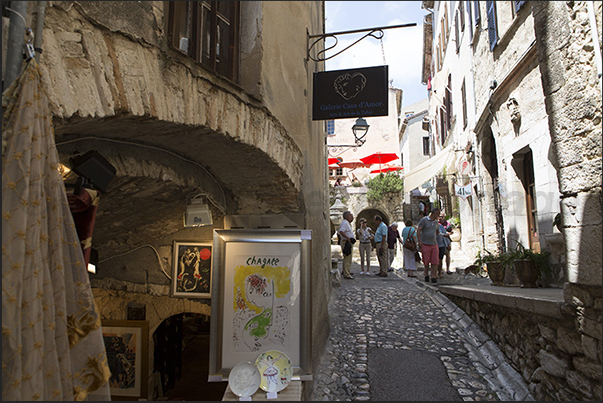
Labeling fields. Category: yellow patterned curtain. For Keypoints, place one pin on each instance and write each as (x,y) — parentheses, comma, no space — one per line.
(52,345)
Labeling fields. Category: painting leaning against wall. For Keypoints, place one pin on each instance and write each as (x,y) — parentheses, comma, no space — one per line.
(126,343)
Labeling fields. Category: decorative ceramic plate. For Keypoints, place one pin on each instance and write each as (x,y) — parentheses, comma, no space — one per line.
(244,379)
(276,370)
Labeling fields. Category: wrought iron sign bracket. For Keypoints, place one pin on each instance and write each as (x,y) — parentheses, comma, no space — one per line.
(376,33)
(337,150)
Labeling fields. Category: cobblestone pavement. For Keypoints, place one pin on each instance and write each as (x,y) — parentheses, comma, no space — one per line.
(401,314)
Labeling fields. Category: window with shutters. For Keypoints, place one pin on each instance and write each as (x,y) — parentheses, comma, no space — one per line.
(492,28)
(426,145)
(444,29)
(464,100)
(446,23)
(443,128)
(477,13)
(448,103)
(330,127)
(470,22)
(207,31)
(462,15)
(457,32)
(437,58)
(518,5)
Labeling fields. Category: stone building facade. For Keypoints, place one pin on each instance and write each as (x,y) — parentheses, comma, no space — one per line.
(569,54)
(225,117)
(536,140)
(415,149)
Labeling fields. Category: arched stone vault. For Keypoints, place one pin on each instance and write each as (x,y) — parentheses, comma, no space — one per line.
(160,166)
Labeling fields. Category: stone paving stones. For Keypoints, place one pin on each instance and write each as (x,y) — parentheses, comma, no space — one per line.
(374,318)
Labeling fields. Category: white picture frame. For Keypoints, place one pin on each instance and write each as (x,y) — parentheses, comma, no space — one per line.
(260,299)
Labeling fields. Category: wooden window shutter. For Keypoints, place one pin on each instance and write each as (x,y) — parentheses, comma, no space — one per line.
(470,21)
(492,30)
(477,13)
(464,99)
(449,103)
(457,32)
(518,5)
(462,15)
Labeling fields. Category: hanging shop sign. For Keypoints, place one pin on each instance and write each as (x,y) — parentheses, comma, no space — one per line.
(463,191)
(442,186)
(351,93)
(464,167)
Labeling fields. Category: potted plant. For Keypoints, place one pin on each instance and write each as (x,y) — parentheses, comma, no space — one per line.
(456,228)
(496,265)
(530,266)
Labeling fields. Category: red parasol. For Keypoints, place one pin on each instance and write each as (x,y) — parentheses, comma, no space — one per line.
(333,160)
(379,158)
(387,168)
(353,164)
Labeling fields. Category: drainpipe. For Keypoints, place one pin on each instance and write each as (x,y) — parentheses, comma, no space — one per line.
(16,35)
(40,13)
(595,34)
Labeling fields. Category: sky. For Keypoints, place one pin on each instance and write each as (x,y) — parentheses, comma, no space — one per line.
(403,47)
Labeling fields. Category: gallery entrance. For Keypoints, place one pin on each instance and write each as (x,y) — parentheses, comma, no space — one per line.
(181,360)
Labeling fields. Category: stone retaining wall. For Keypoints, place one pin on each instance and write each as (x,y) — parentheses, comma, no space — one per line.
(558,355)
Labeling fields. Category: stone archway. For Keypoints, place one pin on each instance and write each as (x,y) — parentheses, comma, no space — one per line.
(181,359)
(369,215)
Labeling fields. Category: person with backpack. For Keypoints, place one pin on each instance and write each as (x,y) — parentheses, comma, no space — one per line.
(427,231)
(409,239)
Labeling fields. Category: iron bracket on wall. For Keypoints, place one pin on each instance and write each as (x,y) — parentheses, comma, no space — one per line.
(376,33)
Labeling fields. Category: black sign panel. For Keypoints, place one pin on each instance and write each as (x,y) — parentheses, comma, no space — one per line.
(352,93)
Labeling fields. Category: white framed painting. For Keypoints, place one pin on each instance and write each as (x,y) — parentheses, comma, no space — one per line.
(260,299)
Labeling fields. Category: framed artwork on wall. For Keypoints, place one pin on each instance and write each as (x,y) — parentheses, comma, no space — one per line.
(127,346)
(260,299)
(191,273)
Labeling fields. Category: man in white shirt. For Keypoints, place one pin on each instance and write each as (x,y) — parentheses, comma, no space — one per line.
(347,235)
(381,241)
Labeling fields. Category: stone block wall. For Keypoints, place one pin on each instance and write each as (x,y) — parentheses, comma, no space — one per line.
(567,37)
(558,355)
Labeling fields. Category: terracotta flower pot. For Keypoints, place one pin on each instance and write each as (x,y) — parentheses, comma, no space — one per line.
(496,272)
(527,272)
(456,235)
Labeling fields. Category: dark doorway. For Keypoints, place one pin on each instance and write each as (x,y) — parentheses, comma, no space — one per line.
(523,163)
(490,160)
(182,359)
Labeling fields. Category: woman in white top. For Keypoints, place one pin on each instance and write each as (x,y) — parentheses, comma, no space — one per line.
(365,234)
(409,256)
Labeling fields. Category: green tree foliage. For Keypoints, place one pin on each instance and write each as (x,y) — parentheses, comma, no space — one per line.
(384,184)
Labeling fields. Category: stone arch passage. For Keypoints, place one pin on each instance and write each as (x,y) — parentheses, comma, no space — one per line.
(181,359)
(369,215)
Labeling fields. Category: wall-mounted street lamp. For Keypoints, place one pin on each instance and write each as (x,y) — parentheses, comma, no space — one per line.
(360,129)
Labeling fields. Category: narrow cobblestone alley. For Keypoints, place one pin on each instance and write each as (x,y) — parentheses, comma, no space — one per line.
(397,339)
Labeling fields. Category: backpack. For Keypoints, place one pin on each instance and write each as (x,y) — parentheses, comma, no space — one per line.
(409,243)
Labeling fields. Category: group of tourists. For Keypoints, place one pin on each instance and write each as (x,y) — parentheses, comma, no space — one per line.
(368,239)
(429,242)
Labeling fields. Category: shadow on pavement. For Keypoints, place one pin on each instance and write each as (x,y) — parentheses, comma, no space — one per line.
(403,375)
